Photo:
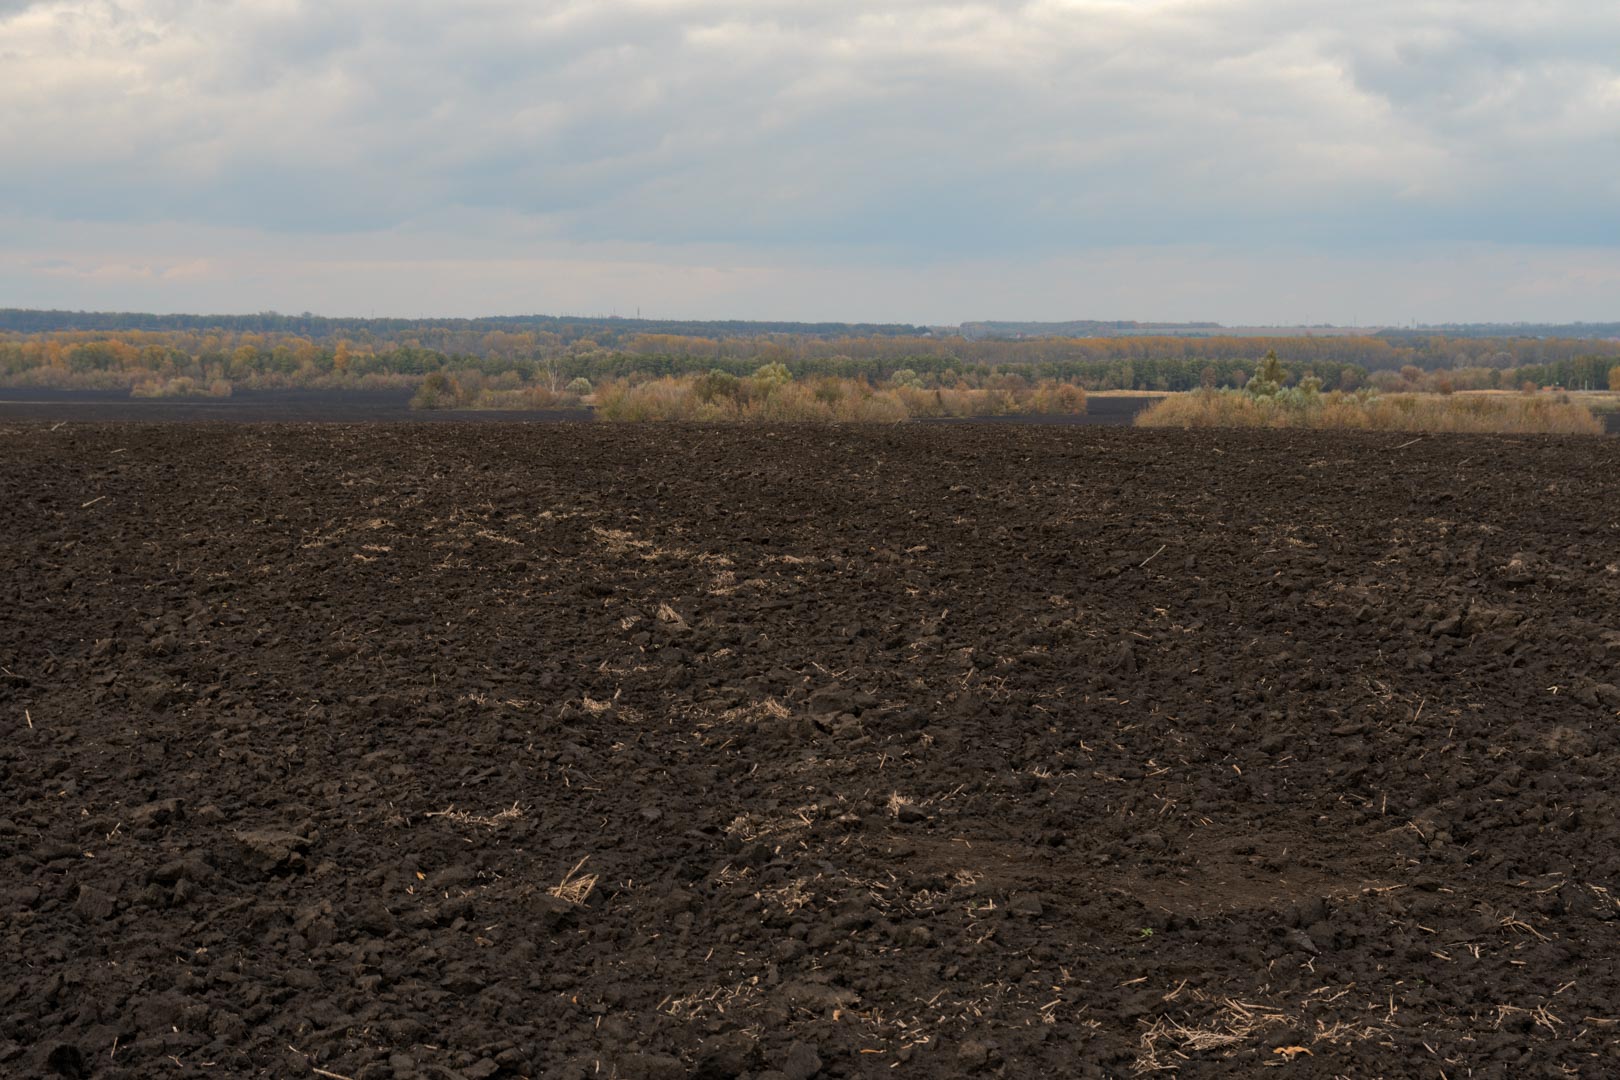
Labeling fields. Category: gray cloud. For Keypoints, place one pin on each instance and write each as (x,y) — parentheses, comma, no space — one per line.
(910,130)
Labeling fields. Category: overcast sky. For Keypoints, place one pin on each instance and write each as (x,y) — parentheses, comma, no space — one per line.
(1246,161)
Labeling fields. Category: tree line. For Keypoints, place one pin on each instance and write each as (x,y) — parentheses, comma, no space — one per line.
(271,359)
(558,328)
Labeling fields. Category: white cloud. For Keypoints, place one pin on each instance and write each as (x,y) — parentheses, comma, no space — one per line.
(901,133)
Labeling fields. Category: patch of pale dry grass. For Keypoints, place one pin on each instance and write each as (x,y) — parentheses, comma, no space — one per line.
(1418,413)
(620,541)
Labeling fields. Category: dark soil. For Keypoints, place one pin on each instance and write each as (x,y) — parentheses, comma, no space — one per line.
(1100,412)
(592,751)
(367,406)
(251,407)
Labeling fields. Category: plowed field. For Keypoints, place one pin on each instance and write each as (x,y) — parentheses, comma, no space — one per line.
(605,751)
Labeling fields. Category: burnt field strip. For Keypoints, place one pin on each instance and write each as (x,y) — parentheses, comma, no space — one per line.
(584,750)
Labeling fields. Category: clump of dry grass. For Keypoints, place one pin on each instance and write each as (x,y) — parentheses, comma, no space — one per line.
(575,888)
(1532,415)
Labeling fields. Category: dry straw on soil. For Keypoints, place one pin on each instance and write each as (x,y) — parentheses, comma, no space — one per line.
(1537,415)
(575,888)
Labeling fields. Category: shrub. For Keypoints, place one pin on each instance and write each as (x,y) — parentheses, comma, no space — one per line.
(716,384)
(828,391)
(769,377)
(1269,375)
(438,391)
(523,398)
(656,399)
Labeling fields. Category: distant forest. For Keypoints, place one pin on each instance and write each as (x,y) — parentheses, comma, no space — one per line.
(1083,328)
(613,330)
(1579,331)
(1090,328)
(193,353)
(608,330)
